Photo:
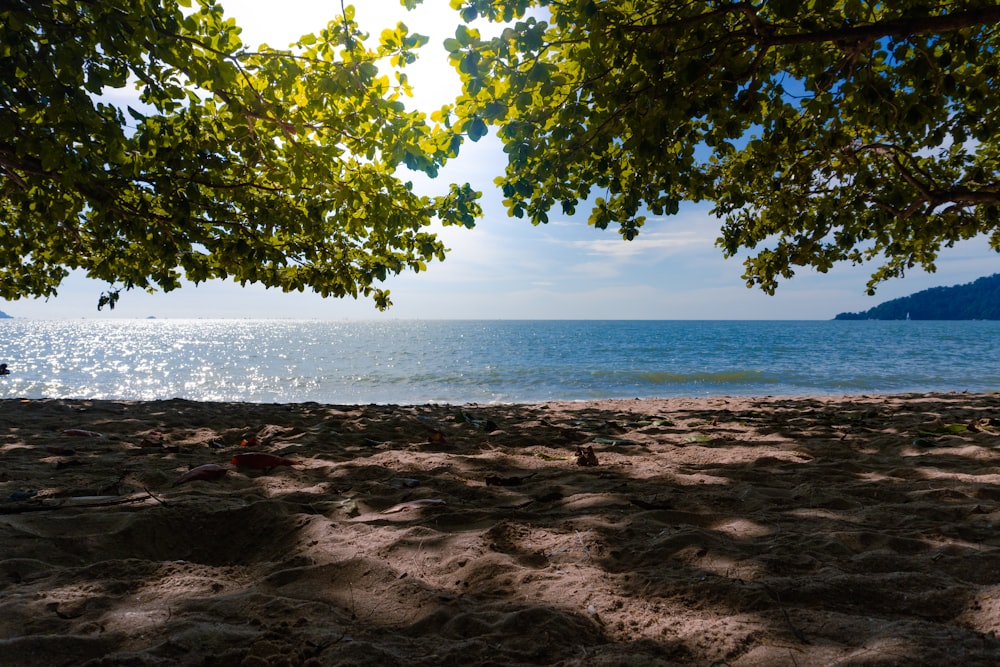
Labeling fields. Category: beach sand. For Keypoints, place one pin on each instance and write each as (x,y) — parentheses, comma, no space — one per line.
(711,531)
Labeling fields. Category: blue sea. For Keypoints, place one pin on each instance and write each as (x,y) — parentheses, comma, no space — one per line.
(424,361)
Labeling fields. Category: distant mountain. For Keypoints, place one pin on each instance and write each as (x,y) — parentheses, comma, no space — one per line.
(5,316)
(978,300)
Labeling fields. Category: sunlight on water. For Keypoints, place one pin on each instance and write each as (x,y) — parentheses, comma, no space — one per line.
(460,362)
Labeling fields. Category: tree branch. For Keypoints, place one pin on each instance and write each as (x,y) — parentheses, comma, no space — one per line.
(769,35)
(959,196)
(899,28)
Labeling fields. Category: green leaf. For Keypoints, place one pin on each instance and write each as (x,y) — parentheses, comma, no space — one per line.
(477,129)
(465,36)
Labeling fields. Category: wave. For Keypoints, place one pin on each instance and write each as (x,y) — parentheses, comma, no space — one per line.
(702,377)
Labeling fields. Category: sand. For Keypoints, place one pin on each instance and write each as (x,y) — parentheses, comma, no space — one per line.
(713,531)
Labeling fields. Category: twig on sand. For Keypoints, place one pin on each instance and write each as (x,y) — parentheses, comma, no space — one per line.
(413,505)
(788,619)
(77,502)
(586,549)
(795,631)
(162,502)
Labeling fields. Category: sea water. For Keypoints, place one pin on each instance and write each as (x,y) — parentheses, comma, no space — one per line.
(279,361)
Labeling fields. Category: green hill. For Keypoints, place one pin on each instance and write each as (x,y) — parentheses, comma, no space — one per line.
(978,300)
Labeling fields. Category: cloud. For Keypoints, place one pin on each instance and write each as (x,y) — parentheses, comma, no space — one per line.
(658,244)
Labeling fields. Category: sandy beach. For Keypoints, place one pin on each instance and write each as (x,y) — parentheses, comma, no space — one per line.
(860,530)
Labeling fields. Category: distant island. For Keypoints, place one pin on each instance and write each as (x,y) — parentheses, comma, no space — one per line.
(5,316)
(978,300)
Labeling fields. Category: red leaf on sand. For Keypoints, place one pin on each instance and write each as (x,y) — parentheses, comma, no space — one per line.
(207,473)
(260,461)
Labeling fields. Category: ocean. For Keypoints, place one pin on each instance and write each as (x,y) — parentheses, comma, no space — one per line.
(431,361)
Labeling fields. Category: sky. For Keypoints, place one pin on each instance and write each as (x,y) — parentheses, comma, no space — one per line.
(506,268)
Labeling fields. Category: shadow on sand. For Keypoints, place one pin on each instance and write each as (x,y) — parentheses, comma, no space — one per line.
(714,531)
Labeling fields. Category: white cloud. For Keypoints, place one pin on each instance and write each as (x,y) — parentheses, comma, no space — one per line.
(658,244)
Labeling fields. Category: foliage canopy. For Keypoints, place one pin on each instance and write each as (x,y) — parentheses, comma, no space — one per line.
(821,130)
(272,167)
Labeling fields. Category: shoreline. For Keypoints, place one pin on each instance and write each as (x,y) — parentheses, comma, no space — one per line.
(744,529)
(862,396)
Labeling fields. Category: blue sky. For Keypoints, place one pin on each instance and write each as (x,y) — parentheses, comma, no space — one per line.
(505,268)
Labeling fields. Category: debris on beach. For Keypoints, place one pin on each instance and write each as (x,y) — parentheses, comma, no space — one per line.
(585,456)
(497,480)
(260,461)
(82,433)
(413,505)
(20,495)
(403,483)
(486,425)
(435,436)
(206,473)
